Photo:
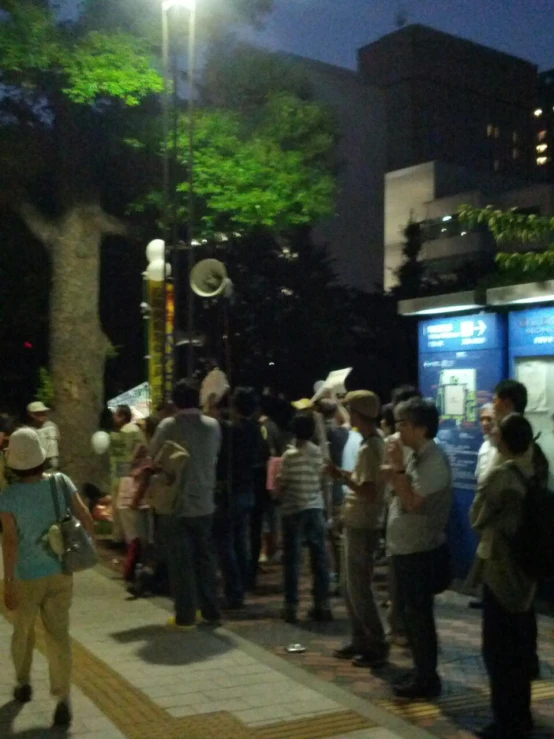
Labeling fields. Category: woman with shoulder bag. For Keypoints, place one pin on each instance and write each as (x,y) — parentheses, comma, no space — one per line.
(34,579)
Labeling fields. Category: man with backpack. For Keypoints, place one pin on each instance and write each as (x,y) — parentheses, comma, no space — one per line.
(510,396)
(185,533)
(499,515)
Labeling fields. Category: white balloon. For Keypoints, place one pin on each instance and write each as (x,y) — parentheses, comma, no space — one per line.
(100,442)
(155,270)
(155,250)
(318,385)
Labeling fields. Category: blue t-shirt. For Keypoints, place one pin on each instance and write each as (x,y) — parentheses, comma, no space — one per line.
(32,507)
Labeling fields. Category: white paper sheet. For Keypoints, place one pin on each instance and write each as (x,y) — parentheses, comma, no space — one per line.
(454,400)
(533,374)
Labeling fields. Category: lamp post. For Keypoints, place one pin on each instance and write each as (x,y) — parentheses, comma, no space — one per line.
(169,183)
(157,319)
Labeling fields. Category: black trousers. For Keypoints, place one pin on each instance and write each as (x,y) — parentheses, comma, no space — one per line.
(414,578)
(509,654)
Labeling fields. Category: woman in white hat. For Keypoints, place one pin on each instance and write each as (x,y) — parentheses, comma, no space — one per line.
(33,579)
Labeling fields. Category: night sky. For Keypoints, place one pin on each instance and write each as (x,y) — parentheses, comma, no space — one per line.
(332,30)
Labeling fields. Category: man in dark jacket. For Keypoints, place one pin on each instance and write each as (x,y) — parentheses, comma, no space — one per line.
(241,454)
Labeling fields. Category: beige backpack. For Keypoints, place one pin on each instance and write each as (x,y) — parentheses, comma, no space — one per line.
(170,463)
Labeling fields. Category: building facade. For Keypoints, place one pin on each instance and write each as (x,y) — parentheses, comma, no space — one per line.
(430,194)
(453,101)
(544,127)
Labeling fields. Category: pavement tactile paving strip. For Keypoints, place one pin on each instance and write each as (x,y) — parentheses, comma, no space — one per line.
(138,717)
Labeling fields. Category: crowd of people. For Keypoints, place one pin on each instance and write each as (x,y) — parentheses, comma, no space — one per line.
(346,480)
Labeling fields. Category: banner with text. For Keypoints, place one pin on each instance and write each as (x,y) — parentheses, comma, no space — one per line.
(162,319)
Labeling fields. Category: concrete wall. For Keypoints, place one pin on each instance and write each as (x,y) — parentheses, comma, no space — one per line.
(354,236)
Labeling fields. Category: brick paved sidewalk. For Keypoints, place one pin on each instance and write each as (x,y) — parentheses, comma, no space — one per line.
(136,679)
(464,705)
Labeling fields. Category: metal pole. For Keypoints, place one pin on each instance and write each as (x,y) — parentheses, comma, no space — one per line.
(174,201)
(190,235)
(165,184)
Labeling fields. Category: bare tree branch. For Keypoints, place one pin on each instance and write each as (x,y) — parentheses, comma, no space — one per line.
(112,225)
(42,228)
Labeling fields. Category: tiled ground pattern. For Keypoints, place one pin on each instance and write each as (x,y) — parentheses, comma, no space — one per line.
(169,685)
(464,705)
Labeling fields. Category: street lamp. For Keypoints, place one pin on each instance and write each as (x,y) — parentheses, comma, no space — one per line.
(168,185)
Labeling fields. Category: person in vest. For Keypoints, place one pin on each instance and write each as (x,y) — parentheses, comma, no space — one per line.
(363,512)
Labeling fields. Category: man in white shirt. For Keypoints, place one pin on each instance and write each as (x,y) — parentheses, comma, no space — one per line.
(487,449)
(416,535)
(48,433)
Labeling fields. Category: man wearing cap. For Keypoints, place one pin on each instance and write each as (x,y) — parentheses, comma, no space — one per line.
(363,512)
(48,433)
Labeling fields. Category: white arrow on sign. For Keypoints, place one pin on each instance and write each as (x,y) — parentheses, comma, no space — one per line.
(482,326)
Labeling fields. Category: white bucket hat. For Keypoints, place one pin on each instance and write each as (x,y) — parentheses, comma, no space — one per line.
(25,451)
(37,407)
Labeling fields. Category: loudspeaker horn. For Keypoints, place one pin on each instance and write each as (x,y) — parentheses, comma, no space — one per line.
(208,278)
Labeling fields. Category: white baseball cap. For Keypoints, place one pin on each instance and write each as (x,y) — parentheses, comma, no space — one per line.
(25,451)
(37,407)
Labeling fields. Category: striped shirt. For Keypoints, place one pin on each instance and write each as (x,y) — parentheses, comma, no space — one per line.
(301,472)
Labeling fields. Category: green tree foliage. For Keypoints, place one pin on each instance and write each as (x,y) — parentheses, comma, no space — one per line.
(411,273)
(74,77)
(45,392)
(264,158)
(513,226)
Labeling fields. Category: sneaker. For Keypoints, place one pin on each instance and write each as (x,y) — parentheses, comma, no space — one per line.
(370,660)
(23,693)
(416,690)
(349,651)
(172,623)
(62,714)
(322,615)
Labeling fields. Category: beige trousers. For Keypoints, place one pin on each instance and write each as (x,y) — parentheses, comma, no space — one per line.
(51,597)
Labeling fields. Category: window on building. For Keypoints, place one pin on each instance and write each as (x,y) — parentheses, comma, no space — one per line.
(542,135)
(515,137)
(496,165)
(515,153)
(496,132)
(490,130)
(542,147)
(541,161)
(538,112)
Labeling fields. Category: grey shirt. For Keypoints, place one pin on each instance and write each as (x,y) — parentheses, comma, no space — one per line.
(201,436)
(431,478)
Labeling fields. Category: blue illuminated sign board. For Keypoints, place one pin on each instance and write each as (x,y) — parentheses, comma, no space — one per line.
(462,333)
(532,329)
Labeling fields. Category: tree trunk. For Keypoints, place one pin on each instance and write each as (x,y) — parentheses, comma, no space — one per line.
(78,346)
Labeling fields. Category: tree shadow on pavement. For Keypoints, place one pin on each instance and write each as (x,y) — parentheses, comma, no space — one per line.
(8,714)
(163,646)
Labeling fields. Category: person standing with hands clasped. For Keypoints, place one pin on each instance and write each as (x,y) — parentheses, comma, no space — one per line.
(363,513)
(33,579)
(416,536)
